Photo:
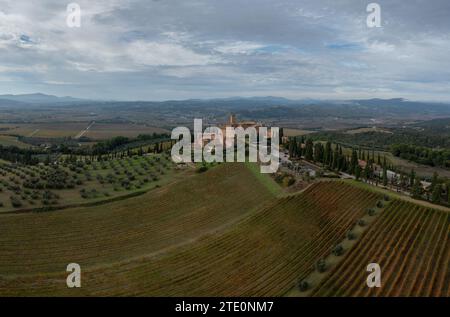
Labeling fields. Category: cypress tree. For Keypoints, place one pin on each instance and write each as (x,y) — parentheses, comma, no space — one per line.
(412,177)
(358,172)
(291,147)
(334,164)
(448,192)
(353,162)
(385,178)
(436,194)
(329,154)
(309,150)
(434,181)
(417,190)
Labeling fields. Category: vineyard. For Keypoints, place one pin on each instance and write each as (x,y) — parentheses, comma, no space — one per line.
(242,240)
(47,242)
(411,244)
(265,253)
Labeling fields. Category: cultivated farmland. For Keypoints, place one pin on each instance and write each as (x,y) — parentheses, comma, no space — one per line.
(97,130)
(411,244)
(72,182)
(224,232)
(6,140)
(166,251)
(162,218)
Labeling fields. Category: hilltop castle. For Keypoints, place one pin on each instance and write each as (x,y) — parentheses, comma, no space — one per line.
(233,123)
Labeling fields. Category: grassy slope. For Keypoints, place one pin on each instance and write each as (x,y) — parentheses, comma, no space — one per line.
(264,254)
(265,179)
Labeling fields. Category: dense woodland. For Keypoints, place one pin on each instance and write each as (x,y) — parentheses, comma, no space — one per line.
(422,155)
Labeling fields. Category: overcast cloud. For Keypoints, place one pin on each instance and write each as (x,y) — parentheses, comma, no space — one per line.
(176,49)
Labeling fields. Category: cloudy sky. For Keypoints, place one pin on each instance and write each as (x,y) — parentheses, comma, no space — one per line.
(176,49)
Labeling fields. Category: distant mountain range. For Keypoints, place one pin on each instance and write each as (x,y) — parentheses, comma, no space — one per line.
(246,107)
(38,98)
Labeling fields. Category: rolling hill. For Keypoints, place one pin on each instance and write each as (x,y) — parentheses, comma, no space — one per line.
(264,253)
(226,233)
(171,215)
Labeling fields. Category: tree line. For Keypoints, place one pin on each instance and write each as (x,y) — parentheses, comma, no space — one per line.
(332,157)
(422,155)
(18,155)
(369,167)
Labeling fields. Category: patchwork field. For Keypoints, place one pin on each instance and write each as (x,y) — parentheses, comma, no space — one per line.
(295,132)
(411,244)
(97,130)
(6,140)
(137,251)
(44,130)
(102,131)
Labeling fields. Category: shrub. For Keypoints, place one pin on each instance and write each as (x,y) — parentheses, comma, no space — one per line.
(15,202)
(321,266)
(361,223)
(338,250)
(202,169)
(371,212)
(351,235)
(303,286)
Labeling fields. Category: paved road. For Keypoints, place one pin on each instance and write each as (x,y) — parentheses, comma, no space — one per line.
(79,135)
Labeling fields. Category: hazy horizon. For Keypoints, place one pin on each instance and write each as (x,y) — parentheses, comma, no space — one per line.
(219,98)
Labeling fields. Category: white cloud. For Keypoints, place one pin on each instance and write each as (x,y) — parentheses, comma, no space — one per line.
(380,47)
(238,47)
(57,82)
(235,46)
(166,54)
